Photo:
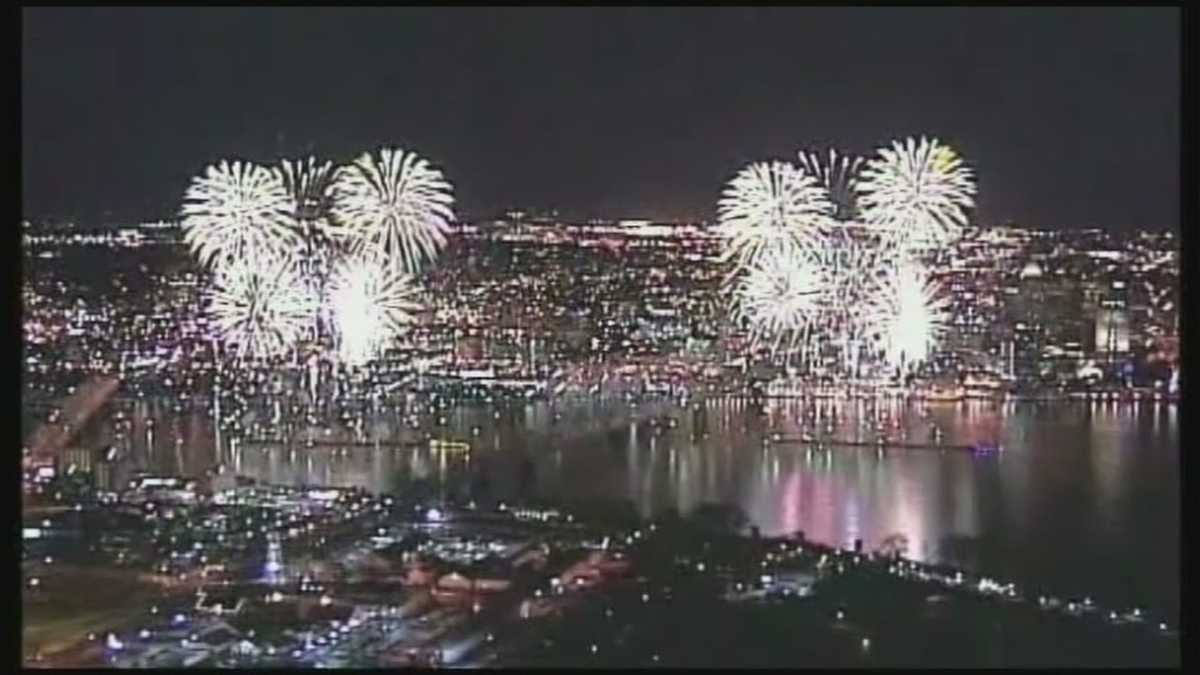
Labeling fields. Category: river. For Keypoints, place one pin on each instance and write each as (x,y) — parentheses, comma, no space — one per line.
(1084,499)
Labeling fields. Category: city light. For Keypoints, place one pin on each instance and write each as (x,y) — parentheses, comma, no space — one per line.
(334,406)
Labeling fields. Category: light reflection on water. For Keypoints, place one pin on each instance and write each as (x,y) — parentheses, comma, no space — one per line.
(1085,496)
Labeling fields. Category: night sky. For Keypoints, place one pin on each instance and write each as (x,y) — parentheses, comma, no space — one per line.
(1070,117)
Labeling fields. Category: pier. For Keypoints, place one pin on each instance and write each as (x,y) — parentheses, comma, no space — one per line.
(871,444)
(284,442)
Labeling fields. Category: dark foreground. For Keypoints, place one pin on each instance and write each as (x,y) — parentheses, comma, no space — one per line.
(598,588)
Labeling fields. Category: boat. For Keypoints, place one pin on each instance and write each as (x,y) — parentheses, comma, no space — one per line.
(451,447)
(985,448)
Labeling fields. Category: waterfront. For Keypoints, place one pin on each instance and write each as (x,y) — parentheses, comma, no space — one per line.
(1083,500)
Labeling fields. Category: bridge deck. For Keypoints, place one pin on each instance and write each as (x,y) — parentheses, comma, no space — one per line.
(49,440)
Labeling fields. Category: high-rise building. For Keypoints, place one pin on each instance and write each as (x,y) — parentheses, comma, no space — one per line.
(1112,320)
(274,567)
(1112,331)
(79,457)
(102,478)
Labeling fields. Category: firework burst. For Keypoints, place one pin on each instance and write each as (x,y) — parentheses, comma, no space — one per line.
(780,297)
(310,184)
(370,304)
(916,312)
(393,206)
(918,192)
(838,174)
(853,310)
(827,252)
(261,308)
(238,211)
(769,206)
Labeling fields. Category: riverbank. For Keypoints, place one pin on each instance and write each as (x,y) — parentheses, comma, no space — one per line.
(704,598)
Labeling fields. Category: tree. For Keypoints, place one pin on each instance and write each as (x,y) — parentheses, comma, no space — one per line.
(895,545)
(528,479)
(719,518)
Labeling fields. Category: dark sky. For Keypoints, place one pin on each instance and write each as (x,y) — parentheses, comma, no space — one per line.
(1069,116)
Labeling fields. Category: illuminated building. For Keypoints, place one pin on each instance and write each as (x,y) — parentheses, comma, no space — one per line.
(1112,322)
(1112,331)
(274,566)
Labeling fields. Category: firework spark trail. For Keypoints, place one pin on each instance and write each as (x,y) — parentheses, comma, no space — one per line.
(917,192)
(238,211)
(261,307)
(310,184)
(852,306)
(370,303)
(838,174)
(770,206)
(393,206)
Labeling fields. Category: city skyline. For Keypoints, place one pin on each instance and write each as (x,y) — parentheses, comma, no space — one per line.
(591,135)
(627,338)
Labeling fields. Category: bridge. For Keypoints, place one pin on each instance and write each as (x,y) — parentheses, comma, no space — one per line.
(49,440)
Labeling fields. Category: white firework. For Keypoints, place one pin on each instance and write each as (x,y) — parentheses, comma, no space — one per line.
(853,312)
(917,314)
(769,206)
(370,304)
(393,206)
(859,228)
(311,185)
(261,308)
(238,211)
(917,192)
(780,296)
(838,174)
